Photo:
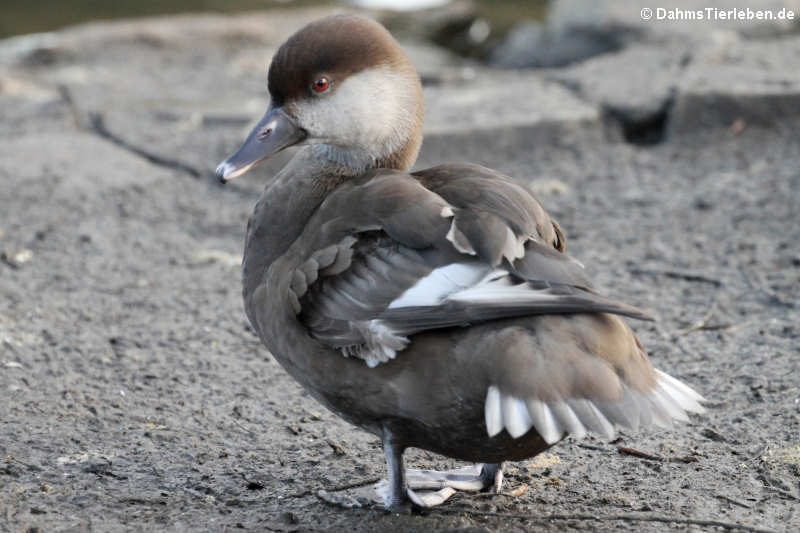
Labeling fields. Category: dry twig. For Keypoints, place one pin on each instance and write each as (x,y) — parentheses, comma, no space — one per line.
(686,275)
(250,431)
(638,453)
(734,502)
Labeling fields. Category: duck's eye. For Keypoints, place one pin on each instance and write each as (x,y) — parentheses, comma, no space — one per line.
(321,84)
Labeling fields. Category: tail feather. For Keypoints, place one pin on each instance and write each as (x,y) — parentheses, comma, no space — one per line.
(668,400)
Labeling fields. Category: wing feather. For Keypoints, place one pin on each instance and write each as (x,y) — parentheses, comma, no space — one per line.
(393,254)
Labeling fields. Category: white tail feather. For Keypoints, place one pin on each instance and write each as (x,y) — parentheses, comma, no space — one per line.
(546,424)
(685,395)
(669,400)
(493,411)
(516,419)
(591,417)
(568,419)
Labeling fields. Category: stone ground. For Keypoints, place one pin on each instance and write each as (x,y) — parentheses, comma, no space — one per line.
(135,397)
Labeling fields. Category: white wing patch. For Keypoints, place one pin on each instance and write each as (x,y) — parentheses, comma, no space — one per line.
(498,287)
(669,400)
(466,282)
(469,282)
(441,283)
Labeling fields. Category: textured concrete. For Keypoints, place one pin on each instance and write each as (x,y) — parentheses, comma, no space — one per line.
(135,397)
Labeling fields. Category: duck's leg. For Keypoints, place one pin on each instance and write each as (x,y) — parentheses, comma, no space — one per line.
(492,477)
(396,496)
(429,488)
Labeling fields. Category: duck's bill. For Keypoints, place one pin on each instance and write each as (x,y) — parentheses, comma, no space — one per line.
(274,132)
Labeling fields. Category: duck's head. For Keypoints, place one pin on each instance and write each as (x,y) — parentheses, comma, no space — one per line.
(344,87)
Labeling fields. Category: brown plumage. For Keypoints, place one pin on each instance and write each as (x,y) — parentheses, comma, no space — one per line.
(437,309)
(327,47)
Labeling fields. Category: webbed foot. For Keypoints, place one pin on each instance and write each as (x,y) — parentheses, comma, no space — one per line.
(429,488)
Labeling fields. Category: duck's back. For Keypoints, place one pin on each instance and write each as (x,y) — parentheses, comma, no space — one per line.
(368,309)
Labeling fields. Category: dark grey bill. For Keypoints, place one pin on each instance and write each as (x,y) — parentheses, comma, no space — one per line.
(274,132)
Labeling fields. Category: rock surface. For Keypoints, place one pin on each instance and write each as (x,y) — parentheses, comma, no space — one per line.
(640,98)
(576,30)
(685,87)
(135,396)
(755,82)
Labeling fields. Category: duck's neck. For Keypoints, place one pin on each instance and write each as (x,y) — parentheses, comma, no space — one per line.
(282,212)
(356,161)
(299,188)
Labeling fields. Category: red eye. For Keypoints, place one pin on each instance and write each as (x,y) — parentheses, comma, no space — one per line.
(321,85)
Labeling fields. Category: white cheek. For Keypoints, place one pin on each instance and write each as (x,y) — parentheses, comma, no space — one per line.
(372,110)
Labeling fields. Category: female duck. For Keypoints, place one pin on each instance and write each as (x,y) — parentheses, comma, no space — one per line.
(437,308)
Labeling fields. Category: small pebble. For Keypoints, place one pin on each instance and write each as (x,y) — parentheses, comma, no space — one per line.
(205,257)
(16,257)
(549,187)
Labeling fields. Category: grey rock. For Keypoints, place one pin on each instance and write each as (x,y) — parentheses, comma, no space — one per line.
(504,110)
(496,100)
(446,25)
(87,42)
(750,83)
(520,48)
(651,76)
(121,71)
(437,65)
(677,89)
(576,30)
(641,98)
(533,44)
(616,14)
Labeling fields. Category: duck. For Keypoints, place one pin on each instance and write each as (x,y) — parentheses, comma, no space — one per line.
(434,308)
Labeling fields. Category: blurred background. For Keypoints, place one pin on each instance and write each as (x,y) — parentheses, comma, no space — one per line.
(474,33)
